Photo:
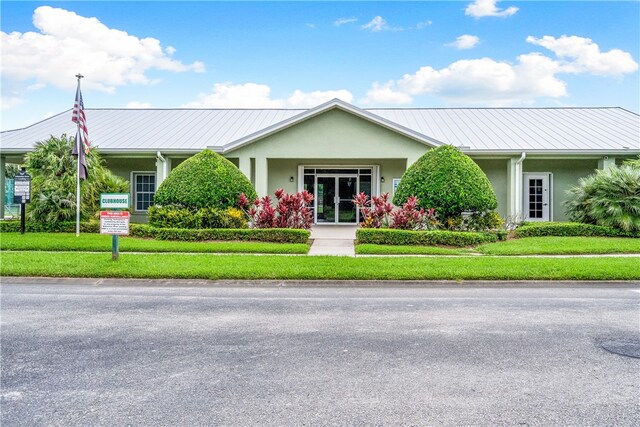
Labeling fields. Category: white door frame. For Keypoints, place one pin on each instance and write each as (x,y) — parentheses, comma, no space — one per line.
(336,198)
(546,202)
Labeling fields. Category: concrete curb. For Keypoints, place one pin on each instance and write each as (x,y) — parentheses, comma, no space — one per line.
(187,283)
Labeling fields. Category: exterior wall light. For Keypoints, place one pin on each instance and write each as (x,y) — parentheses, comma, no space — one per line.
(382,179)
(290,179)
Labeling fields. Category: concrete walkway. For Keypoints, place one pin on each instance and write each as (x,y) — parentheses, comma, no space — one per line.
(336,240)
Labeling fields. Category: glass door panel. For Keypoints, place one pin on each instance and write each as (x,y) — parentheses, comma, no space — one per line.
(347,188)
(326,199)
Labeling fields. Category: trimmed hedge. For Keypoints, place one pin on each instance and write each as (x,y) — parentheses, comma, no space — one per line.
(277,235)
(204,180)
(388,236)
(13,226)
(179,217)
(569,229)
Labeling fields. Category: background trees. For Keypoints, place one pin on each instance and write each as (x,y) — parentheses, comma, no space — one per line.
(53,182)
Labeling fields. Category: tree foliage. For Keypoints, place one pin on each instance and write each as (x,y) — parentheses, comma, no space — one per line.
(53,182)
(609,197)
(206,180)
(449,181)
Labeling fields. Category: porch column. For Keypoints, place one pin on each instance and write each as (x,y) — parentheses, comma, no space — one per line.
(606,162)
(244,164)
(514,188)
(2,193)
(262,176)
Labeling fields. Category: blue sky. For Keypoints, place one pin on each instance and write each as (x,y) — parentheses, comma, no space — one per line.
(297,55)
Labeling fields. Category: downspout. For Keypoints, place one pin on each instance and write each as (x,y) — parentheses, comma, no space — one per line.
(519,187)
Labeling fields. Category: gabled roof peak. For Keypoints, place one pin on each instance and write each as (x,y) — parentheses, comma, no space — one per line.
(323,108)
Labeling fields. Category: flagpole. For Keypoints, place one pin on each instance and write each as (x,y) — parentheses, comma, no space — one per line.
(78,147)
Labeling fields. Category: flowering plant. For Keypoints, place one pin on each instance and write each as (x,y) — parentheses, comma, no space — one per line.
(291,211)
(379,213)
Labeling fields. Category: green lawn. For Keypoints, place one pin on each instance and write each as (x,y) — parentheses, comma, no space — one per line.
(525,246)
(373,249)
(562,245)
(204,266)
(91,242)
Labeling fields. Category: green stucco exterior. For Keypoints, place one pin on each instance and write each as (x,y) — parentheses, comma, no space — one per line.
(565,174)
(337,137)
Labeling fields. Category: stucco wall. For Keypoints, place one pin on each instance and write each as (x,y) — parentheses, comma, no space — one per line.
(566,173)
(496,171)
(333,135)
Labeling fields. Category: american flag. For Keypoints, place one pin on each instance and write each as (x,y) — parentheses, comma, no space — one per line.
(79,118)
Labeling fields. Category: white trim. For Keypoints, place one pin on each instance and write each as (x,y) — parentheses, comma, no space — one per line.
(134,193)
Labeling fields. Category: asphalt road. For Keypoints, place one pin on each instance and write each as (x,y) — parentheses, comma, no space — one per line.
(447,355)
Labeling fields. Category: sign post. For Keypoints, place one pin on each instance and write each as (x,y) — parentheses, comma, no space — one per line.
(22,194)
(114,222)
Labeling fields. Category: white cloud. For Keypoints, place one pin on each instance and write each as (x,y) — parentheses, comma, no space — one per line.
(583,55)
(482,8)
(254,95)
(68,43)
(465,41)
(342,21)
(423,24)
(483,81)
(8,102)
(310,25)
(486,81)
(138,104)
(386,94)
(376,24)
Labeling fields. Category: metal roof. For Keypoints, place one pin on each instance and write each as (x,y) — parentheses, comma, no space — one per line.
(479,129)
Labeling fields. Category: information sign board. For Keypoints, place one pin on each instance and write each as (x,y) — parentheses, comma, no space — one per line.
(114,223)
(22,188)
(114,200)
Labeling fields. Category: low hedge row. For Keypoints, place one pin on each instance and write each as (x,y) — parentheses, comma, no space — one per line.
(569,229)
(277,235)
(388,236)
(13,226)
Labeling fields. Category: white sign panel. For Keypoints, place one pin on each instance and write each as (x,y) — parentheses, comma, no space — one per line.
(114,200)
(115,223)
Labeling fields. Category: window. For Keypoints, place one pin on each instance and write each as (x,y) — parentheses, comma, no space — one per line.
(145,189)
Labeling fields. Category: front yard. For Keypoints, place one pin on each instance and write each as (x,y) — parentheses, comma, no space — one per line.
(549,245)
(65,255)
(207,266)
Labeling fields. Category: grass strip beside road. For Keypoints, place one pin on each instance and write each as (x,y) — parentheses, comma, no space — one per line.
(102,243)
(374,249)
(562,246)
(202,266)
(548,245)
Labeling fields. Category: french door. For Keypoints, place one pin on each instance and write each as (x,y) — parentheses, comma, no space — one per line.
(537,197)
(334,199)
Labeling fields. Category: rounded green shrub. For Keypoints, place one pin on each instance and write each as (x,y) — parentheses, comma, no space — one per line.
(449,181)
(206,180)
